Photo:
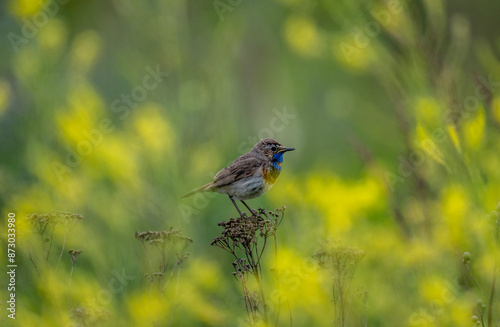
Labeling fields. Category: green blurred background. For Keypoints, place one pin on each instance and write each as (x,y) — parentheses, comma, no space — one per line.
(114,109)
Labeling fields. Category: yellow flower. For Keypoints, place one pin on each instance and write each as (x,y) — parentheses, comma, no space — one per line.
(454,137)
(474,129)
(427,110)
(153,128)
(495,106)
(5,91)
(302,35)
(23,8)
(85,51)
(342,201)
(351,54)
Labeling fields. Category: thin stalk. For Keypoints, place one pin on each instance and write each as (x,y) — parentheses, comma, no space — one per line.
(50,246)
(169,278)
(36,267)
(261,287)
(290,311)
(277,278)
(492,297)
(495,272)
(475,280)
(175,296)
(62,250)
(147,255)
(69,283)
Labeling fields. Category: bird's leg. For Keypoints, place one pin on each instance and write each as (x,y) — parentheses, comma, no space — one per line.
(232,200)
(246,205)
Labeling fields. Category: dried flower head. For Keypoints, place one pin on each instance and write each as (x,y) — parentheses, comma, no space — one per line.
(74,254)
(42,222)
(89,317)
(164,236)
(339,259)
(165,250)
(244,232)
(154,277)
(246,238)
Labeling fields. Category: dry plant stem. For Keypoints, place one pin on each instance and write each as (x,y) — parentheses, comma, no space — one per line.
(36,267)
(341,262)
(335,305)
(69,283)
(43,242)
(62,250)
(163,259)
(166,244)
(495,273)
(74,256)
(278,281)
(263,298)
(492,297)
(366,315)
(66,231)
(342,306)
(290,312)
(44,224)
(467,267)
(147,255)
(340,289)
(241,238)
(50,245)
(169,278)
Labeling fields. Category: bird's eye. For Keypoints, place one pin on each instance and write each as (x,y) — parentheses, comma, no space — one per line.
(273,148)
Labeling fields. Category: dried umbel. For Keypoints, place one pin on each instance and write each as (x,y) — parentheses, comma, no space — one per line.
(244,233)
(246,239)
(341,261)
(154,277)
(90,316)
(45,221)
(74,254)
(152,237)
(45,225)
(166,251)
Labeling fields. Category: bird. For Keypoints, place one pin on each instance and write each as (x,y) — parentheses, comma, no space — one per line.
(250,175)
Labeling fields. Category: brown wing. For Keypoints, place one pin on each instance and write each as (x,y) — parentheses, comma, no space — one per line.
(241,168)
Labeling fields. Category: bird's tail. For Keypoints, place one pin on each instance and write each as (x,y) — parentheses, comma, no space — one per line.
(203,188)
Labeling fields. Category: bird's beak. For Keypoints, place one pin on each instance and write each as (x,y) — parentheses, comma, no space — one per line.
(287,149)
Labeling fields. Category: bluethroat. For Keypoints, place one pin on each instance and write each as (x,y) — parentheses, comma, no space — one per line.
(250,175)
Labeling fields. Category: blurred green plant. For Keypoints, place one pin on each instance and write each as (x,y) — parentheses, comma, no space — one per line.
(86,317)
(480,308)
(166,251)
(74,256)
(50,229)
(341,261)
(45,226)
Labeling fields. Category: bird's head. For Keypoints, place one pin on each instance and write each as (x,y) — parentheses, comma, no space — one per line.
(271,150)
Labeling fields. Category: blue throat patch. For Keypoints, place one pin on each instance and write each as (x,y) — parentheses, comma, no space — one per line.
(277,158)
